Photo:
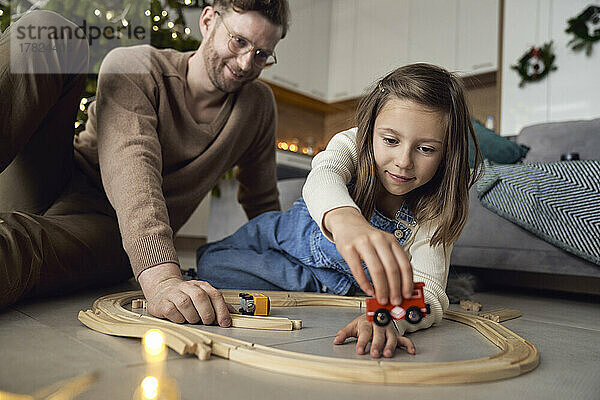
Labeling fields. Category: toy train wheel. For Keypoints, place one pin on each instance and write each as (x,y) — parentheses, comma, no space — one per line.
(414,315)
(382,317)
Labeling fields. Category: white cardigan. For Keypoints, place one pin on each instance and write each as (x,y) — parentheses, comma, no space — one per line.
(325,189)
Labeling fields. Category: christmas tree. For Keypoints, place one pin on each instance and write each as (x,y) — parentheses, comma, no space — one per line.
(166,19)
(4,14)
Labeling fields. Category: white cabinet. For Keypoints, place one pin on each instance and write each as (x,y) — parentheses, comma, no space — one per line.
(293,51)
(335,49)
(381,45)
(477,42)
(432,32)
(342,69)
(318,58)
(303,55)
(460,35)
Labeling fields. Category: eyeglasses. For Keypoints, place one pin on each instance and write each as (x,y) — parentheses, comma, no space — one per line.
(240,45)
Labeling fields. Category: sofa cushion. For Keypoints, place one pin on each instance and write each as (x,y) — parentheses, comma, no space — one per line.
(495,147)
(549,140)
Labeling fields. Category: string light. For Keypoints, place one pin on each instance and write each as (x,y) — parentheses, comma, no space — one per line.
(164,13)
(154,342)
(188,31)
(293,147)
(1,13)
(188,2)
(174,35)
(84,100)
(97,12)
(147,13)
(149,387)
(109,15)
(155,28)
(170,24)
(77,124)
(124,22)
(156,18)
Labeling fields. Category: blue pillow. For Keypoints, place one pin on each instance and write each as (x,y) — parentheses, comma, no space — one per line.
(494,147)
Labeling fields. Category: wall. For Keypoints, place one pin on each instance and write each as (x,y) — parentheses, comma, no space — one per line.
(571,92)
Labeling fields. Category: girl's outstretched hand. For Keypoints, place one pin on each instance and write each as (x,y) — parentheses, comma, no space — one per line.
(384,340)
(356,240)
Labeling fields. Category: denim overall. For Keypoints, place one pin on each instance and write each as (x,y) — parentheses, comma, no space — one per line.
(287,251)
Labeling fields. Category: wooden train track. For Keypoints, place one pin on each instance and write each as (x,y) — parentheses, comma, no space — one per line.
(517,356)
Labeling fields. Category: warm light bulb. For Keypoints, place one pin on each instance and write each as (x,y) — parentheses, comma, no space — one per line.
(155,28)
(147,13)
(156,18)
(109,15)
(284,146)
(124,22)
(77,123)
(305,150)
(188,31)
(188,2)
(149,387)
(84,101)
(174,35)
(170,24)
(82,107)
(154,342)
(293,147)
(164,13)
(97,12)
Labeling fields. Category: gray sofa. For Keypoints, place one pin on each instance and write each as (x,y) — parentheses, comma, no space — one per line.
(491,242)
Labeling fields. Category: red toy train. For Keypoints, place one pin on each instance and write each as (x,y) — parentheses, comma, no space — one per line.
(413,309)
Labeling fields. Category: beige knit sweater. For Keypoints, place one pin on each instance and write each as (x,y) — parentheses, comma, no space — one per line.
(325,189)
(157,163)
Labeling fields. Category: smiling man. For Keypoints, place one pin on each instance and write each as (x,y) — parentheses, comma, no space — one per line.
(164,128)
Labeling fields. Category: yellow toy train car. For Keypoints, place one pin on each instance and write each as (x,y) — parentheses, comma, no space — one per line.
(254,304)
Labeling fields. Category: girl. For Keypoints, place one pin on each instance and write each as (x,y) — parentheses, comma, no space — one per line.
(405,169)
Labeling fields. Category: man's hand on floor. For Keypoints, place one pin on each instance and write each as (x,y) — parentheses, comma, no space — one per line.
(169,296)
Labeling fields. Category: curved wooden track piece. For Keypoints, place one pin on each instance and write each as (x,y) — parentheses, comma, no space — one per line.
(516,357)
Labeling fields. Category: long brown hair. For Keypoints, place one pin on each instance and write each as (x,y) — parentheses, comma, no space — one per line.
(446,195)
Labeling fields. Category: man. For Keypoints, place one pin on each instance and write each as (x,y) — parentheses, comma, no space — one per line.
(164,127)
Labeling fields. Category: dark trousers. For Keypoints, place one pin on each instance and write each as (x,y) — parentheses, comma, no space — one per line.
(58,232)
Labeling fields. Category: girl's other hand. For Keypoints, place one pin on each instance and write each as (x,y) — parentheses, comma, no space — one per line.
(384,341)
(358,241)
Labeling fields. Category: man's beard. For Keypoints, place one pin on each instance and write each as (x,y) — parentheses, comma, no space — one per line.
(215,67)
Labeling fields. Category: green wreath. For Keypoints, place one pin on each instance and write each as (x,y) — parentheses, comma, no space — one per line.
(586,28)
(535,64)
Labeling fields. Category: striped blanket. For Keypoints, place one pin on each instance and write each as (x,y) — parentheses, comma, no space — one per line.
(558,201)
